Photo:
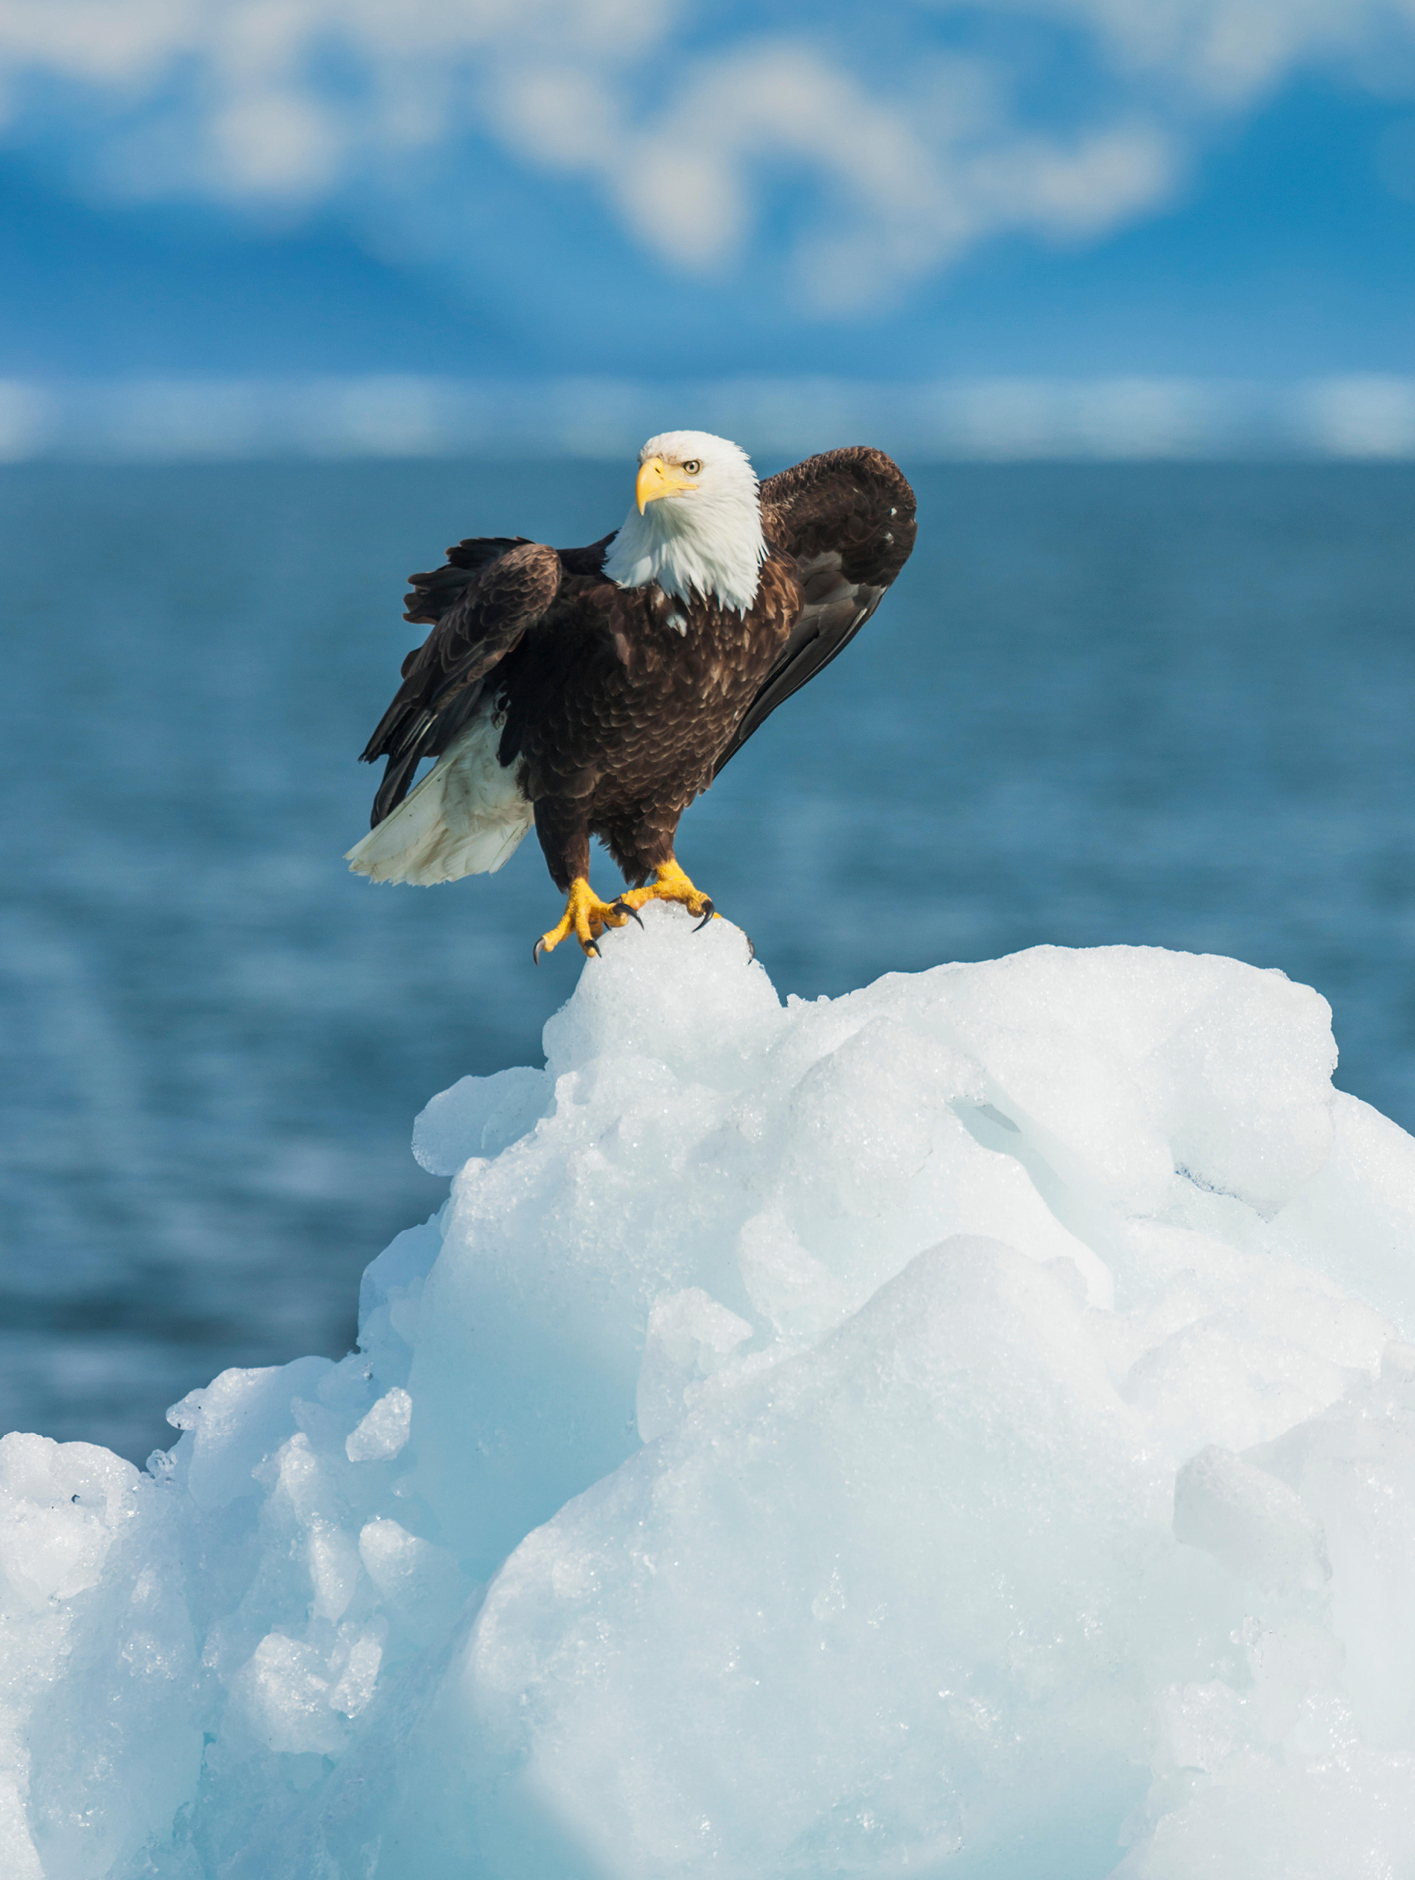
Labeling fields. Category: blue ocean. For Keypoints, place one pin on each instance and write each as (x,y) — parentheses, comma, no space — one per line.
(1165,705)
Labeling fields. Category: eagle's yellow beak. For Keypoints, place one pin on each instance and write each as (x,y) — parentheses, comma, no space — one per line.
(655,480)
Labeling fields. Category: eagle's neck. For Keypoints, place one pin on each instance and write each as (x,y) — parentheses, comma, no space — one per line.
(709,543)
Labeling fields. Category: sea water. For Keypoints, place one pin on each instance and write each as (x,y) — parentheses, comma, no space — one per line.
(1153,704)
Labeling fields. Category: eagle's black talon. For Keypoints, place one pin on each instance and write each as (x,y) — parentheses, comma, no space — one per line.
(535,951)
(751,950)
(622,907)
(591,951)
(710,911)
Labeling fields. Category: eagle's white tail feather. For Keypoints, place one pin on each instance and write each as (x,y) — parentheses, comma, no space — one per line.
(466,817)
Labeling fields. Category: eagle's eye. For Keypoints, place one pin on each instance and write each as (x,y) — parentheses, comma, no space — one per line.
(693,466)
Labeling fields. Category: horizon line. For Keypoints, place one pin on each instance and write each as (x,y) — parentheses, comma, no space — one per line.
(178,418)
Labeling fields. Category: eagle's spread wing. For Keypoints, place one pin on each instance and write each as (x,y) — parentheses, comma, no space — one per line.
(435,592)
(847,520)
(487,594)
(486,597)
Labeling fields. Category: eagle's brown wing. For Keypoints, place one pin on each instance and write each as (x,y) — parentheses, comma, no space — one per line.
(480,616)
(439,589)
(490,591)
(847,520)
(435,592)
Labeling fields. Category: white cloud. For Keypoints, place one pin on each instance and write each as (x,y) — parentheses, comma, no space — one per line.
(684,178)
(1225,50)
(272,140)
(1361,417)
(911,182)
(90,40)
(895,172)
(264,115)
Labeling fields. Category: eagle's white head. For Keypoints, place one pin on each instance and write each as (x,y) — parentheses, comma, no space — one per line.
(695,525)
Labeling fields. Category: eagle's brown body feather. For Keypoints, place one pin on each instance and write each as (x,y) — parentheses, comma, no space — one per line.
(617,706)
(619,716)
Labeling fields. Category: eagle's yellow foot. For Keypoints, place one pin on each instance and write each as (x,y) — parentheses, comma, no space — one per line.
(670,884)
(585,916)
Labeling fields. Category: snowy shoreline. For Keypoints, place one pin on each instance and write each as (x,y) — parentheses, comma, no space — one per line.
(962,1428)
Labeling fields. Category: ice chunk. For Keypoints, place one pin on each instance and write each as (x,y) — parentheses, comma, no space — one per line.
(478,1116)
(1251,1523)
(63,1508)
(383,1432)
(1241,1089)
(287,1700)
(962,1428)
(235,1422)
(100,1734)
(921,1652)
(1306,1819)
(687,1338)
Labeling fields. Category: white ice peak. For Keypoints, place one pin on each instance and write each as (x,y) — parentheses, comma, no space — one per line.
(704,538)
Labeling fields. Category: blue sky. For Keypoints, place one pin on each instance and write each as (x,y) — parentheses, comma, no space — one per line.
(1221,188)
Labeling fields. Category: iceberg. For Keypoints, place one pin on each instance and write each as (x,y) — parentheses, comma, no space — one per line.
(963,1428)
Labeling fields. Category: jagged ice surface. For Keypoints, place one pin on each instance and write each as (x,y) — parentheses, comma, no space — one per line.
(963,1428)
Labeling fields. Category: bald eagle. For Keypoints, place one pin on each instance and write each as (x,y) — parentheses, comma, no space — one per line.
(596,691)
